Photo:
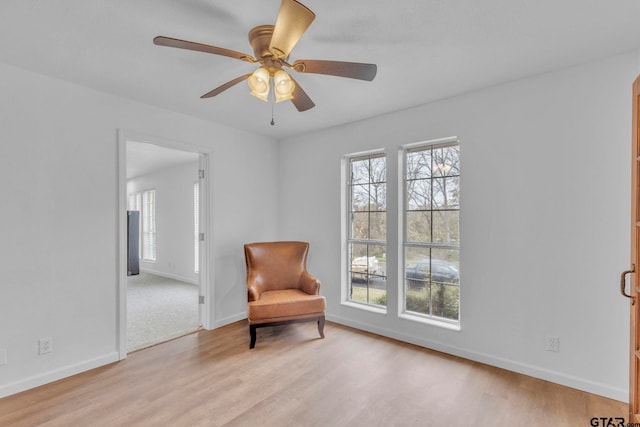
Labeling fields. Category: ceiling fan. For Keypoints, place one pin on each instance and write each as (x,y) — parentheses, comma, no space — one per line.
(272,45)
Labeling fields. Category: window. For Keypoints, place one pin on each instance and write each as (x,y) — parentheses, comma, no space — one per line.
(149,225)
(196,227)
(135,204)
(432,230)
(367,229)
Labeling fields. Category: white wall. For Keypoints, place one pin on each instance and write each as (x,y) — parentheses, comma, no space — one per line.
(59,184)
(174,220)
(544,226)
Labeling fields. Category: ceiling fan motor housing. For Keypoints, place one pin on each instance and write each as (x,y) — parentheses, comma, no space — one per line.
(260,38)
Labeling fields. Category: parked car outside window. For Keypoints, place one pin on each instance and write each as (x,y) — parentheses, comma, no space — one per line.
(434,270)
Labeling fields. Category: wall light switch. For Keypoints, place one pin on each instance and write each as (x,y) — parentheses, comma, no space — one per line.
(3,356)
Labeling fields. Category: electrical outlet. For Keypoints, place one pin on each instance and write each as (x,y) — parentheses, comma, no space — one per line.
(3,356)
(45,345)
(553,344)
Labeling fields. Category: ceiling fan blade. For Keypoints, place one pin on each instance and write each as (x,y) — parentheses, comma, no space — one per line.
(293,20)
(184,44)
(300,98)
(354,70)
(225,86)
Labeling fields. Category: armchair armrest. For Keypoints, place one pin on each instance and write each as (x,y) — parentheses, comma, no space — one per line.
(254,287)
(309,284)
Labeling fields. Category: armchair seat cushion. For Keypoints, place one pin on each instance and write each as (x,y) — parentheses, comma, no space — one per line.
(285,304)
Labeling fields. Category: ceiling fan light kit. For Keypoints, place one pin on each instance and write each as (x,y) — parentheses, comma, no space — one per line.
(259,84)
(272,45)
(283,86)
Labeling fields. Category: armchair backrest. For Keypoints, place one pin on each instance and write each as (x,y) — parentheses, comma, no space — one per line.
(274,266)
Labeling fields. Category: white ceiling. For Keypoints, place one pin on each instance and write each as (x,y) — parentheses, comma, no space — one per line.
(425,50)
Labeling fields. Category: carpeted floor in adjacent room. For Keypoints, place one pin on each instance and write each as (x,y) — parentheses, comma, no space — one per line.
(159,309)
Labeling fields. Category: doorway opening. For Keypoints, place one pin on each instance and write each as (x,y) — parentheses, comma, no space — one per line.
(163,213)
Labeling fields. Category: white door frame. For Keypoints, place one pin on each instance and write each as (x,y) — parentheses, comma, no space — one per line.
(205,227)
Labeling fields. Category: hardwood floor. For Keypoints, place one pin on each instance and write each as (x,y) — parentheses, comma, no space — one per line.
(293,378)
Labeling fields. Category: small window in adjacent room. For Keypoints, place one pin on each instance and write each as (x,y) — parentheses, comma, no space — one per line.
(196,227)
(367,229)
(431,222)
(149,225)
(135,204)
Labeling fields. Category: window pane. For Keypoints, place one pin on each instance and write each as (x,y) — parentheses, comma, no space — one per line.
(371,291)
(369,197)
(368,274)
(432,282)
(445,301)
(378,171)
(446,193)
(416,260)
(418,226)
(368,259)
(451,256)
(378,197)
(418,194)
(378,226)
(360,225)
(418,299)
(360,197)
(360,171)
(445,161)
(446,227)
(358,259)
(419,164)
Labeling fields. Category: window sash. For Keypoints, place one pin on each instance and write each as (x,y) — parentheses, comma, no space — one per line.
(431,257)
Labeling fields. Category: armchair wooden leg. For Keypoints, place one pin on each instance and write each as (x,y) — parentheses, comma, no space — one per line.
(252,332)
(321,326)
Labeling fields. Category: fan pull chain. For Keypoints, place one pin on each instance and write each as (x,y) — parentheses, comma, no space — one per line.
(273,122)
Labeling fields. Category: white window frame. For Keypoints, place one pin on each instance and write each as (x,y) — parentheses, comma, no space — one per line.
(345,183)
(149,227)
(196,227)
(403,243)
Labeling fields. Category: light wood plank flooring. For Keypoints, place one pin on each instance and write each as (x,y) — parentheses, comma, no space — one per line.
(292,378)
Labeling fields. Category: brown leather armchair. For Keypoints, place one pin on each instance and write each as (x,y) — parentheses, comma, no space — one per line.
(280,290)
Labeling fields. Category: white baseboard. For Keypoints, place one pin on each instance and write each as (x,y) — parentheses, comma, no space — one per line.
(229,319)
(57,374)
(499,362)
(170,276)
